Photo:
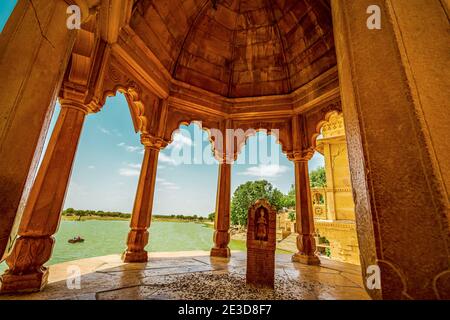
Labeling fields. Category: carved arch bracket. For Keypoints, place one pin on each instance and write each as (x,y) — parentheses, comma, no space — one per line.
(140,101)
(316,119)
(280,129)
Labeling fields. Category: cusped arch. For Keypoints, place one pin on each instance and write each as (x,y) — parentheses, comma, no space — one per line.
(171,131)
(269,132)
(132,94)
(320,123)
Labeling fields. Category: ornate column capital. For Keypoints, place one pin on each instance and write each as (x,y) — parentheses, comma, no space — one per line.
(224,158)
(153,142)
(301,156)
(85,108)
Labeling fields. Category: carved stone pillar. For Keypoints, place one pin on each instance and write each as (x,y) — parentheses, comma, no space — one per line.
(222,217)
(43,208)
(143,204)
(395,98)
(35,45)
(306,244)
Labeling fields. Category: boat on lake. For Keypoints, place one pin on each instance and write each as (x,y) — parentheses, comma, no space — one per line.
(76,240)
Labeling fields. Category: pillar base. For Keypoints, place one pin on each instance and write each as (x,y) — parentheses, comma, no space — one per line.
(135,256)
(221,252)
(305,259)
(31,282)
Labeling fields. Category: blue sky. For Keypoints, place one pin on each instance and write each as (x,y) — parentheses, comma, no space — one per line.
(6,6)
(106,168)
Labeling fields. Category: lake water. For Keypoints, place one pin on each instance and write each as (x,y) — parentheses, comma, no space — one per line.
(104,237)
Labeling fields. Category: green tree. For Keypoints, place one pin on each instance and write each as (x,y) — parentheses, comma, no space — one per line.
(318,178)
(246,194)
(289,199)
(211,216)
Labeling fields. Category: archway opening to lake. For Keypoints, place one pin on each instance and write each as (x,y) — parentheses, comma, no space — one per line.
(185,193)
(102,186)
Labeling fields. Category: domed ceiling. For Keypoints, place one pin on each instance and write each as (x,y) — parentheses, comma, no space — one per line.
(239,48)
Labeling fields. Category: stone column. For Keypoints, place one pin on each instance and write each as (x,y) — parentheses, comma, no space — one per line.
(306,244)
(43,208)
(222,216)
(395,98)
(35,45)
(143,204)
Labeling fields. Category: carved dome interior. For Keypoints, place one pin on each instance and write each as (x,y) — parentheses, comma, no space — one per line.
(239,48)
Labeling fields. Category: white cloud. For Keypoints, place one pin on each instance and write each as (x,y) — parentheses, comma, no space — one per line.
(135,165)
(166,159)
(180,140)
(91,167)
(130,148)
(170,185)
(166,184)
(105,131)
(129,172)
(265,171)
(117,132)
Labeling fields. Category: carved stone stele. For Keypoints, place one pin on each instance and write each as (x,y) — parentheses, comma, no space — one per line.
(261,244)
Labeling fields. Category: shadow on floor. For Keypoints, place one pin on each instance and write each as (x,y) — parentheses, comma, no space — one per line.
(195,275)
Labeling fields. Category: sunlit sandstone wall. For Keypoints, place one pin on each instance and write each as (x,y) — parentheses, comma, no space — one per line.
(339,226)
(342,237)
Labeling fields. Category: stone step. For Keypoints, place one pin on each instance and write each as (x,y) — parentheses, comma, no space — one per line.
(289,243)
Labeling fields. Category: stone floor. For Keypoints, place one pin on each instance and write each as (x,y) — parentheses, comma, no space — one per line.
(194,275)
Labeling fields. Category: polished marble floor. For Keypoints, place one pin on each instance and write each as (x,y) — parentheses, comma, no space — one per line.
(194,275)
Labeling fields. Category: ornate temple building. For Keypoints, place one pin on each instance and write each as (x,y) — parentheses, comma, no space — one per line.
(333,206)
(289,65)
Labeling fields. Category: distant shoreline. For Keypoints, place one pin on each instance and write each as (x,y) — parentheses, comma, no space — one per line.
(71,214)
(157,219)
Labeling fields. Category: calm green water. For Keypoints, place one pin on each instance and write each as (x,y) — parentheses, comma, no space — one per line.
(103,237)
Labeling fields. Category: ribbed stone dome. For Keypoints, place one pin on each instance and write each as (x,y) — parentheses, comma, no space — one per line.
(239,48)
